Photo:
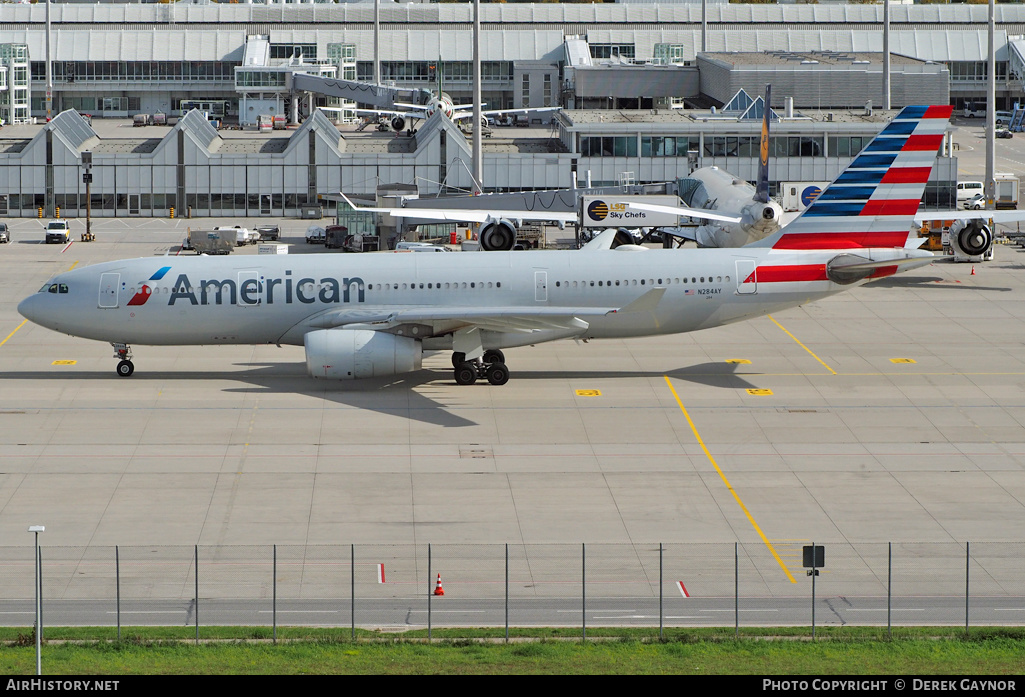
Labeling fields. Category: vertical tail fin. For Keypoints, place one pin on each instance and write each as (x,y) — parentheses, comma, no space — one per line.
(762,191)
(873,202)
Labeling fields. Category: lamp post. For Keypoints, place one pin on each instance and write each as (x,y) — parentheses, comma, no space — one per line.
(39,610)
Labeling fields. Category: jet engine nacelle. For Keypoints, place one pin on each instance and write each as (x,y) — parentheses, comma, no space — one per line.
(497,236)
(347,354)
(398,123)
(970,238)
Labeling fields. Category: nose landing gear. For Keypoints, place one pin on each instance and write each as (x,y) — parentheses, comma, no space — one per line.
(125,367)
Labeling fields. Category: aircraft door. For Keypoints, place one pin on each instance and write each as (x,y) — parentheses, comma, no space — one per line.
(746,270)
(541,286)
(109,285)
(250,288)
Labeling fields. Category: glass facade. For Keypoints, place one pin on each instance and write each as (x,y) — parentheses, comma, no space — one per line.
(452,71)
(136,71)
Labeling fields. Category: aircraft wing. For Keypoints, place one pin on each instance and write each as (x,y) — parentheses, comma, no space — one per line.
(393,112)
(504,319)
(468,215)
(464,111)
(498,319)
(679,210)
(995,216)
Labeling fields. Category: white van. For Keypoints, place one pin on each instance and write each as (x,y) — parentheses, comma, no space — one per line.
(1003,117)
(965,190)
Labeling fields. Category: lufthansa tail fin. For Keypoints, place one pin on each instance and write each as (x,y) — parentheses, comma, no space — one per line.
(874,201)
(762,191)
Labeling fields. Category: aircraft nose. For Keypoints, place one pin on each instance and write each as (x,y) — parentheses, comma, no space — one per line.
(31,308)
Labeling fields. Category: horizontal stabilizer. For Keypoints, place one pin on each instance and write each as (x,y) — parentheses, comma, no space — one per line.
(680,210)
(851,268)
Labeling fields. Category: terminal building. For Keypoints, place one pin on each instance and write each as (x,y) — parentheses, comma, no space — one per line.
(644,87)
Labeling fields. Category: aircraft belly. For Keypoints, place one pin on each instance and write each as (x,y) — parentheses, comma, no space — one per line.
(185,326)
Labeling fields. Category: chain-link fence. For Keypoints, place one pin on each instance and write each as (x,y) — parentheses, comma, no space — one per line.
(542,585)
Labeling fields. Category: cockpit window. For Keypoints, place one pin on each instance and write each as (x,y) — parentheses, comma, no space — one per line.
(54,288)
(62,288)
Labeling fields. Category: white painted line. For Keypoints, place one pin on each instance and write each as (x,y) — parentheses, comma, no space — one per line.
(299,612)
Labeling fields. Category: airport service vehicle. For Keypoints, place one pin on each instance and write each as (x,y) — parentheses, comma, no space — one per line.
(5,235)
(967,189)
(975,203)
(1003,133)
(243,236)
(1006,191)
(370,315)
(269,232)
(315,234)
(58,232)
(420,247)
(216,241)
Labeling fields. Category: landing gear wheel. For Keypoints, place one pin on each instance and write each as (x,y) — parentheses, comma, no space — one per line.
(497,373)
(494,356)
(125,368)
(466,373)
(458,358)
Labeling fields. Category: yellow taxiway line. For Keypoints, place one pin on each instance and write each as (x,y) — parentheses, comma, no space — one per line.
(726,481)
(801,345)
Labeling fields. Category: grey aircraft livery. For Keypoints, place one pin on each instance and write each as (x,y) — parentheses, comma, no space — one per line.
(375,314)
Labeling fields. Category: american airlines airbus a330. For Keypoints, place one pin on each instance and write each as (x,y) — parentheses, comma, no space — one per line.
(375,314)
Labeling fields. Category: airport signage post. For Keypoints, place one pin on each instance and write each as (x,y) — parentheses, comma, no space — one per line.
(39,599)
(814,559)
(87,179)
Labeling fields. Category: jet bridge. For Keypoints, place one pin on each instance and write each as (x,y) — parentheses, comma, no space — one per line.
(360,92)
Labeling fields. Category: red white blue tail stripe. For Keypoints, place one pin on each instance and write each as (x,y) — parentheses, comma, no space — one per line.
(874,201)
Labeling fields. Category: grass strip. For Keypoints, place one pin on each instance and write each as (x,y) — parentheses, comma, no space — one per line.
(918,651)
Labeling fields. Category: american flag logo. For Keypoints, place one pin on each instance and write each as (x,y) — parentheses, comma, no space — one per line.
(688,291)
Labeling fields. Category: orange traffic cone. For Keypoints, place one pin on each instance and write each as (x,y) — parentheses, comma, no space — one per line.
(438,590)
(973,272)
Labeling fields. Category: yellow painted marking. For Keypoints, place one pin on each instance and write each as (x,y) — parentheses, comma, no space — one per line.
(801,345)
(903,360)
(12,333)
(759,391)
(73,266)
(726,481)
(64,363)
(588,393)
(738,361)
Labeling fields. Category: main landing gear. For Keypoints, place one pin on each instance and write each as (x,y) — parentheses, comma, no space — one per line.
(491,366)
(125,367)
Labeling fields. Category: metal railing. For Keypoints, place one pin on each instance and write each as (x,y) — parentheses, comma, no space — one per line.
(495,585)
